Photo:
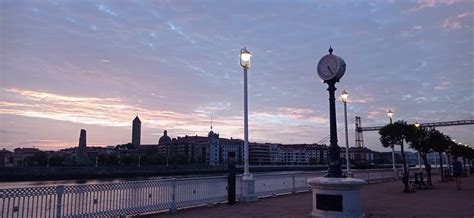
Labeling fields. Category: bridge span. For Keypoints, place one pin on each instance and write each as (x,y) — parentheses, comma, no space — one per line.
(359,137)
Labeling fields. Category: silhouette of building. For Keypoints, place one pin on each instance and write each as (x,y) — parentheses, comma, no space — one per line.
(165,145)
(193,148)
(20,154)
(230,145)
(214,148)
(136,131)
(6,158)
(81,156)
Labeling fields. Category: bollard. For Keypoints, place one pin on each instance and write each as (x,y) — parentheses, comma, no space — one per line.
(231,178)
(294,184)
(59,193)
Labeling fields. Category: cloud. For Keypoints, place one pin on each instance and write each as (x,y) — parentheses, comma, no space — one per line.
(443,85)
(290,116)
(177,29)
(104,9)
(412,31)
(213,107)
(422,4)
(113,112)
(2,131)
(117,112)
(454,23)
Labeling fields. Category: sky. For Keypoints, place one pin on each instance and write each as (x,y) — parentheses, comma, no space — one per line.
(95,65)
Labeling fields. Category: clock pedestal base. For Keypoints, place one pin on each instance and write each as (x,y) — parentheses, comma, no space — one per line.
(336,197)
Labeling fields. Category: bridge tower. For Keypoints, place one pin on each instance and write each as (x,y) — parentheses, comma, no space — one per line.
(359,137)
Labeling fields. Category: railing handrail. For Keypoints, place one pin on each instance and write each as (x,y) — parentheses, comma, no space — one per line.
(133,197)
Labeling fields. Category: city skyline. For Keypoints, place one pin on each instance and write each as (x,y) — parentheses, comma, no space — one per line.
(68,66)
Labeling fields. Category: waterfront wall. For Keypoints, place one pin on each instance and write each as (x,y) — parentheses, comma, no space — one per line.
(81,173)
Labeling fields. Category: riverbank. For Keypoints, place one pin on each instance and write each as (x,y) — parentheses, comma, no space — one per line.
(18,174)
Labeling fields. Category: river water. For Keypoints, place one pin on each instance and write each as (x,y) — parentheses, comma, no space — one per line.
(26,184)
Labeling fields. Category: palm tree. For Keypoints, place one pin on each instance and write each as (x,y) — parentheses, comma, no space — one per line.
(418,138)
(394,134)
(440,143)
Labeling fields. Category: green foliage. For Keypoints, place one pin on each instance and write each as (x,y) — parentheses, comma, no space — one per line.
(459,150)
(128,146)
(153,158)
(56,160)
(393,134)
(107,159)
(38,159)
(418,138)
(438,141)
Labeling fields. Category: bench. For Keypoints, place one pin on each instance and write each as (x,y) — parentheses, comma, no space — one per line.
(418,182)
(447,176)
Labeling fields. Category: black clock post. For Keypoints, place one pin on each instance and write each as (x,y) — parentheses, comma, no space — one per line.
(334,168)
(334,195)
(331,68)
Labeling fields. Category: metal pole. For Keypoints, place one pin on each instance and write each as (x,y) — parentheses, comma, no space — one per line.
(347,140)
(334,150)
(419,161)
(393,153)
(247,174)
(393,159)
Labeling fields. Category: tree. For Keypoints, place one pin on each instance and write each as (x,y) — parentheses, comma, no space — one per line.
(56,160)
(439,143)
(459,150)
(38,159)
(128,146)
(394,134)
(418,139)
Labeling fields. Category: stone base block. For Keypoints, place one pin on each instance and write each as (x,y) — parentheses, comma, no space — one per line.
(248,191)
(336,197)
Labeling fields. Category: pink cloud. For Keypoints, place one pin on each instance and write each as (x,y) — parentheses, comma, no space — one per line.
(117,112)
(454,23)
(432,3)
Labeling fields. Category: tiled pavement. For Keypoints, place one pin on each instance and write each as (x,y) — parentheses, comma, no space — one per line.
(379,200)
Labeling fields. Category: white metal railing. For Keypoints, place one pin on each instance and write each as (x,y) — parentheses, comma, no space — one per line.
(136,197)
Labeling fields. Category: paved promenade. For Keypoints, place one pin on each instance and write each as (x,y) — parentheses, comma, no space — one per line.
(379,200)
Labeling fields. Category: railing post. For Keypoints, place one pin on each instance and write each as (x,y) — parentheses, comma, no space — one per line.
(294,183)
(173,208)
(59,193)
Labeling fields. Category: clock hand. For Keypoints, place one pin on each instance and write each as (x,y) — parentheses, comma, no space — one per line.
(330,69)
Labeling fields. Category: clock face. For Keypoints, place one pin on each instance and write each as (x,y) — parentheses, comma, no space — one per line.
(328,67)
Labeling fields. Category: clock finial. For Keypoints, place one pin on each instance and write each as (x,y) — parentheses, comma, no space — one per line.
(330,50)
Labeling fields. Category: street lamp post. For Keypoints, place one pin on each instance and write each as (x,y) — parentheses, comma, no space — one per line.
(344,96)
(417,125)
(247,180)
(390,116)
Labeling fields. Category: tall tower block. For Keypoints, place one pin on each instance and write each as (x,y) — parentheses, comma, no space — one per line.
(82,157)
(136,131)
(82,141)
